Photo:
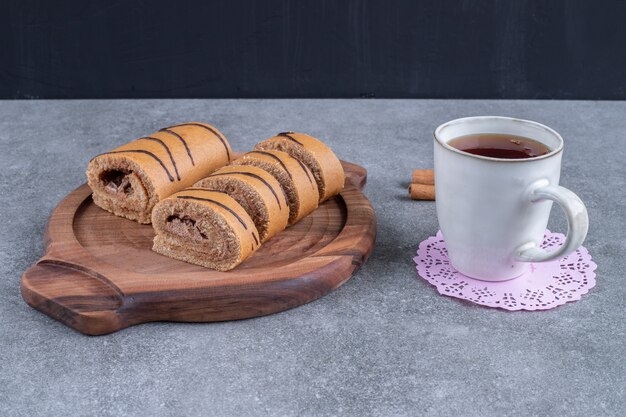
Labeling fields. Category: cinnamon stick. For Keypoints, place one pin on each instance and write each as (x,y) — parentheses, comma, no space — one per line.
(422,192)
(423,176)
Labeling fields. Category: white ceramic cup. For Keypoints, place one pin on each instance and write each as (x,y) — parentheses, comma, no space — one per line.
(493,212)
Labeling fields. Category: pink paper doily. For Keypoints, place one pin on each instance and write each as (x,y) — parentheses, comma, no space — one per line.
(544,286)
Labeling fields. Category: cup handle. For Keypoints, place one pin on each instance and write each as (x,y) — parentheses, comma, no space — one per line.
(577,222)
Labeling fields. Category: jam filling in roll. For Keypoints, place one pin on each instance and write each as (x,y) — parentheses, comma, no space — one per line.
(129,180)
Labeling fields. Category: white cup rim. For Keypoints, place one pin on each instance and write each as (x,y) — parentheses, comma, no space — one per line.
(555,151)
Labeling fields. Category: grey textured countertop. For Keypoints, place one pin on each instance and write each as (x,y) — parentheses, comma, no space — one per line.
(385,343)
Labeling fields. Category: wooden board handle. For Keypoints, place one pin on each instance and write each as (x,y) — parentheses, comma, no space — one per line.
(87,304)
(355,174)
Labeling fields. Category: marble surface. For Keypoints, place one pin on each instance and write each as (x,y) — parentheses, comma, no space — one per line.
(383,344)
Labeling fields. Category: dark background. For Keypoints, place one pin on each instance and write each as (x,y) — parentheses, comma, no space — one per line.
(317,48)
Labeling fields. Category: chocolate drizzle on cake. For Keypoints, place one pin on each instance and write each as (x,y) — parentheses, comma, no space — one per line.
(153,156)
(184,142)
(271,155)
(205,189)
(250,174)
(167,149)
(288,136)
(210,129)
(305,169)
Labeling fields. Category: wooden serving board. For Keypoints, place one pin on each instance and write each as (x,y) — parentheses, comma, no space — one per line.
(99,274)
